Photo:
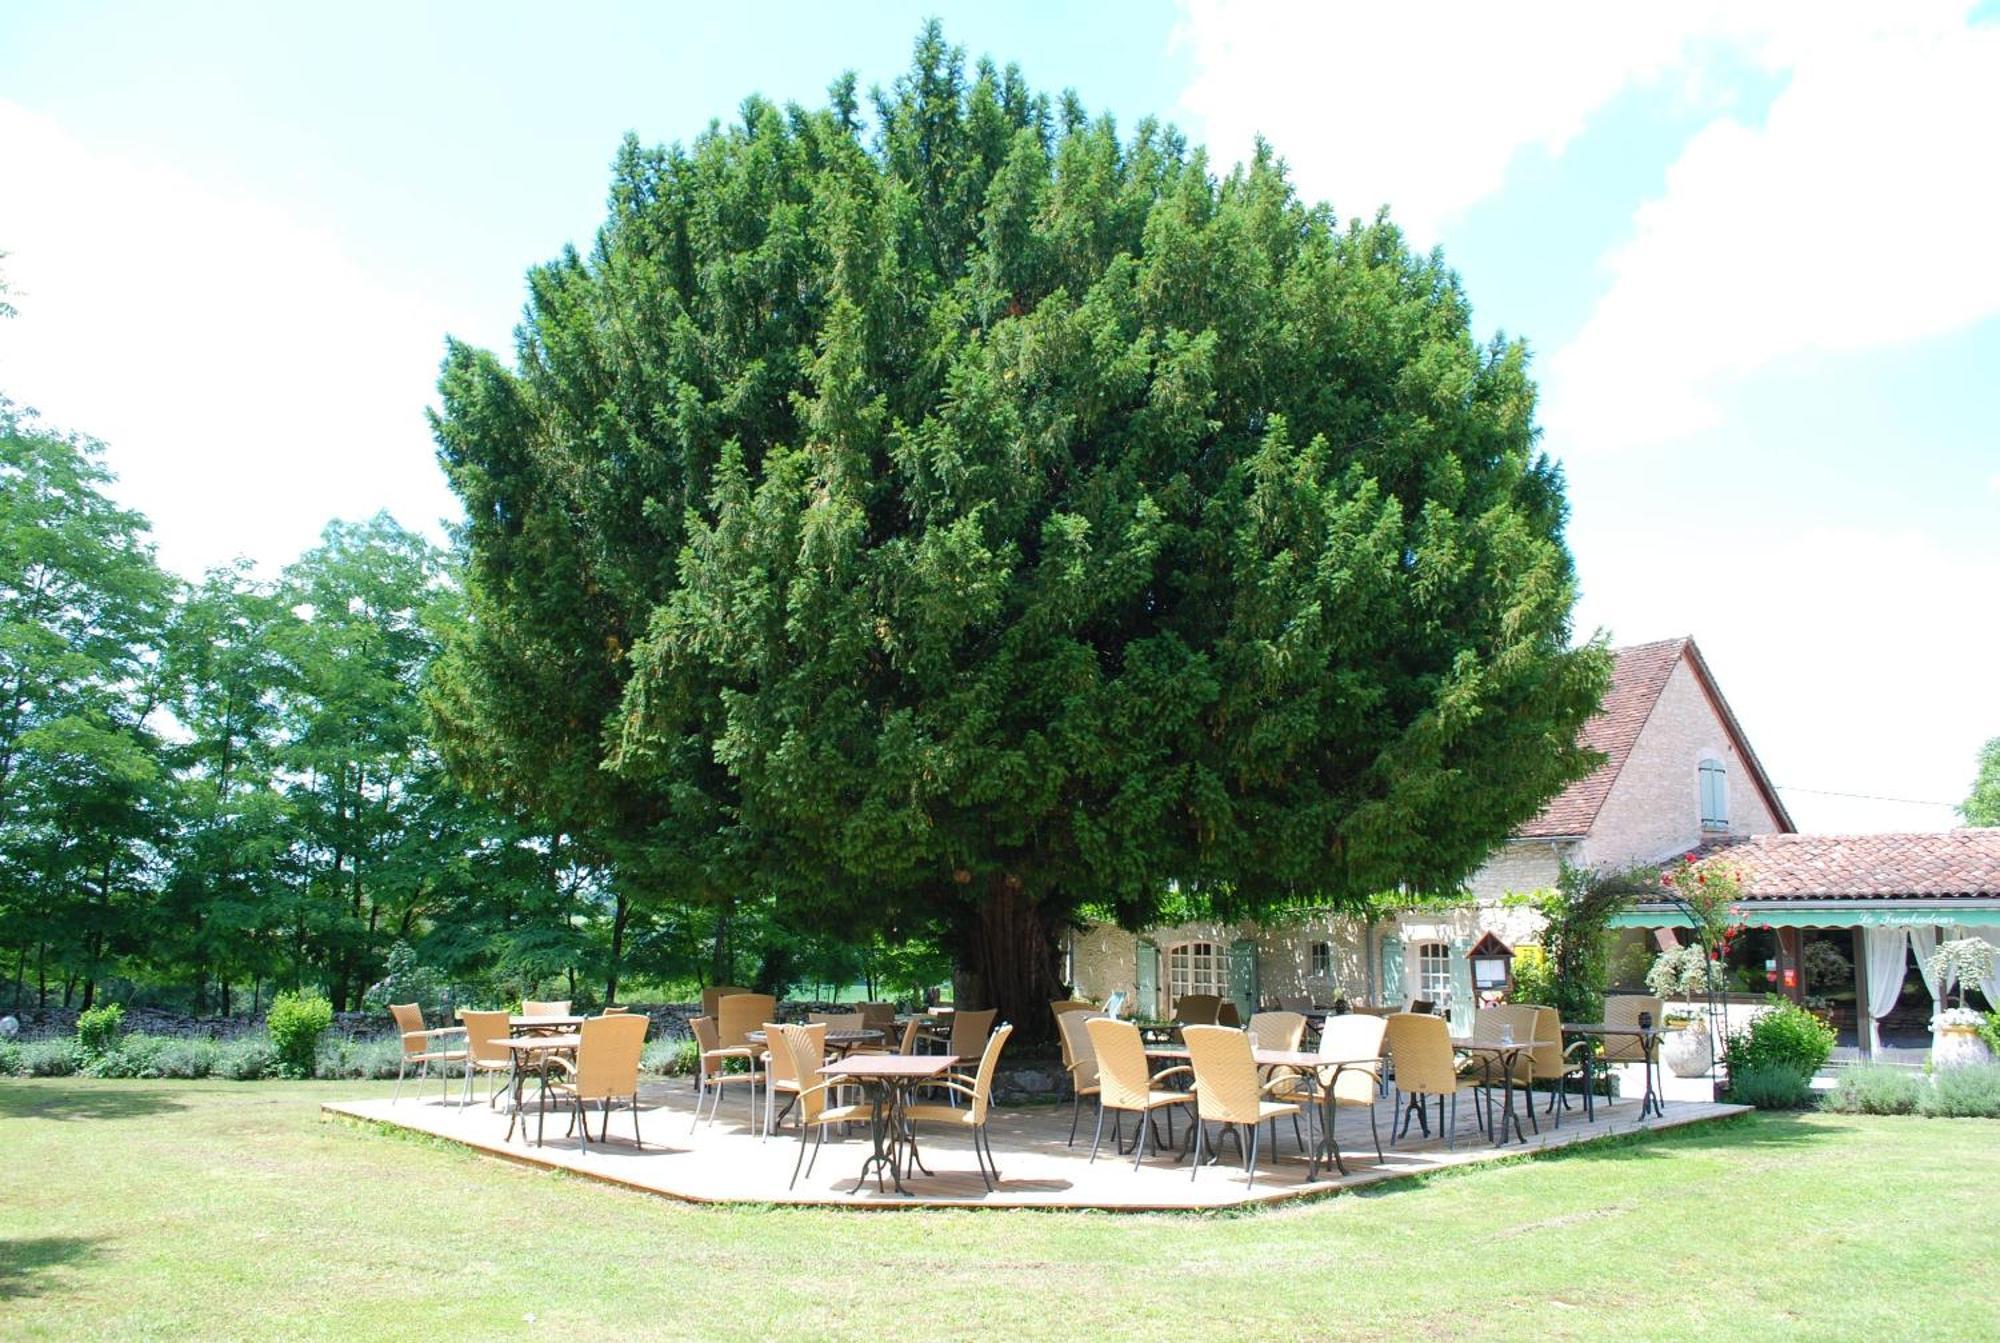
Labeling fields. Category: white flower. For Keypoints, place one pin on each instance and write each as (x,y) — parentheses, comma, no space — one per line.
(1957,1016)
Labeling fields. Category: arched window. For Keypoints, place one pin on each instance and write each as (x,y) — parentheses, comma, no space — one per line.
(1434,973)
(1714,794)
(1197,967)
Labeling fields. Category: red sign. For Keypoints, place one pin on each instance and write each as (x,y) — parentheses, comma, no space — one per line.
(1791,978)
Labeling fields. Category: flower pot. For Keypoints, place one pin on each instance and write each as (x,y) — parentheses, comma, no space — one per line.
(1957,1047)
(1687,1053)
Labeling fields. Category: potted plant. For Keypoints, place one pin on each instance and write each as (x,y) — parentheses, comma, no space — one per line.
(1688,974)
(1955,1031)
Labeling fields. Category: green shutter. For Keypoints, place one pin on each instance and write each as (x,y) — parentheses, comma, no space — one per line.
(1243,975)
(1392,971)
(1147,977)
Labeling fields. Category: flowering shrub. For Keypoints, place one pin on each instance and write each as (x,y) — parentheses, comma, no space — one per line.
(1959,964)
(1958,1016)
(1684,972)
(1785,1035)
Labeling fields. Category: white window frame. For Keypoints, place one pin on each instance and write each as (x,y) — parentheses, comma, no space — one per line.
(1433,981)
(1705,767)
(1197,966)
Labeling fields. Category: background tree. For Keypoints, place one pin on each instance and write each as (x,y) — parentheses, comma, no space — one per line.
(998,515)
(1982,804)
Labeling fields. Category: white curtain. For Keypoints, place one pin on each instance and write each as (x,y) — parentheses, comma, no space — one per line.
(1924,944)
(1886,947)
(1991,985)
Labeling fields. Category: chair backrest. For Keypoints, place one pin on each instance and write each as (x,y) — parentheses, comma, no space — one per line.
(1624,1009)
(1547,1060)
(1227,1015)
(1079,1056)
(982,1082)
(913,1034)
(1422,1007)
(1420,1051)
(1277,1030)
(1197,1009)
(1122,1078)
(879,1017)
(706,1042)
(607,1056)
(712,996)
(1490,1023)
(801,1054)
(741,1013)
(1062,1007)
(409,1020)
(486,1035)
(969,1031)
(552,1009)
(1354,1037)
(781,1058)
(837,1021)
(1225,1074)
(610,1011)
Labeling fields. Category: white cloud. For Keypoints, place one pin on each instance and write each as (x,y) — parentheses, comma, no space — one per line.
(1420,106)
(251,380)
(1860,214)
(1860,662)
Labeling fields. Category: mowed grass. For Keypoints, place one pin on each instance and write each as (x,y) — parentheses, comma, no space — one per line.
(230,1210)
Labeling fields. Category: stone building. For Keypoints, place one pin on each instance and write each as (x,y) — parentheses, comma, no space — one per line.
(1677,773)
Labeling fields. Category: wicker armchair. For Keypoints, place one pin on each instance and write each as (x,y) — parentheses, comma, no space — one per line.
(1197,1009)
(1226,1091)
(802,1055)
(1420,1052)
(486,1035)
(1277,1030)
(1124,1086)
(1556,1064)
(549,1009)
(978,1093)
(712,996)
(423,1047)
(779,1074)
(1079,1061)
(606,1071)
(1624,1009)
(712,1070)
(836,1021)
(1354,1037)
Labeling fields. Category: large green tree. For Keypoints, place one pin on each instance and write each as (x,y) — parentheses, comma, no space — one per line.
(989,515)
(1982,804)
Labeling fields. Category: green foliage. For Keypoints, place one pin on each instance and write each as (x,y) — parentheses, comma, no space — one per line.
(40,1058)
(1784,1036)
(1000,516)
(1982,804)
(403,981)
(1877,1090)
(1971,1092)
(246,1060)
(296,1023)
(1534,976)
(1989,1031)
(1824,965)
(670,1058)
(1576,940)
(1773,1085)
(362,1059)
(1959,964)
(98,1028)
(1685,972)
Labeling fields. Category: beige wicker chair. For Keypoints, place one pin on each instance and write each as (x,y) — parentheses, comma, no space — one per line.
(606,1070)
(1555,1064)
(1491,1024)
(712,1071)
(422,1047)
(712,996)
(802,1053)
(1277,1030)
(1425,1065)
(1624,1009)
(1063,1007)
(1227,1091)
(913,1037)
(1228,1015)
(549,1009)
(1355,1037)
(878,1017)
(778,1068)
(1079,1061)
(978,1093)
(1124,1086)
(486,1036)
(835,1021)
(1197,1009)
(969,1031)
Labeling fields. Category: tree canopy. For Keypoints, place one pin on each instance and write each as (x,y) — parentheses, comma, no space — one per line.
(1982,804)
(981,515)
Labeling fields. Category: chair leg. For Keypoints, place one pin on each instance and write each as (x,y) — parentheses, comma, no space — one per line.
(1377,1132)
(1451,1129)
(396,1095)
(1099,1139)
(637,1141)
(700,1095)
(1145,1123)
(1250,1157)
(1075,1112)
(1200,1131)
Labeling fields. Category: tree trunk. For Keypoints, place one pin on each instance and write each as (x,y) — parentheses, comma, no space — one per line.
(621,912)
(1011,947)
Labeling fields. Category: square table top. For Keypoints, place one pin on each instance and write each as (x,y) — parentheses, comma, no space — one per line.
(1606,1028)
(890,1065)
(1498,1046)
(531,1043)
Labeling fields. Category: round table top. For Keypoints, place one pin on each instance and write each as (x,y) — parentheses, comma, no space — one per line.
(835,1038)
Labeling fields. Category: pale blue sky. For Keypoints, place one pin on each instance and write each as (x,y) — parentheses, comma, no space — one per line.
(1753,256)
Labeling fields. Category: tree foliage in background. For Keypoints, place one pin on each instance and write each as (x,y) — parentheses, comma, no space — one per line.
(990,514)
(1982,804)
(1574,967)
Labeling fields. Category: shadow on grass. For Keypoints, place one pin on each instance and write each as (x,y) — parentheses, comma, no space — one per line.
(24,1262)
(57,1101)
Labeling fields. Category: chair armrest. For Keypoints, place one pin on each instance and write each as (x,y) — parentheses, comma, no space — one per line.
(948,1085)
(1165,1073)
(433,1034)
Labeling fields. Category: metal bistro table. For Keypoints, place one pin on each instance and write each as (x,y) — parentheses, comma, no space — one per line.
(1326,1072)
(1649,1048)
(535,1051)
(1507,1054)
(888,1079)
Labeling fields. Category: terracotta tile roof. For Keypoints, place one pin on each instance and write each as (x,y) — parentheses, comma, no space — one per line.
(1638,675)
(1819,867)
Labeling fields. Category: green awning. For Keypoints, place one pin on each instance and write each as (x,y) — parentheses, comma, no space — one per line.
(1844,914)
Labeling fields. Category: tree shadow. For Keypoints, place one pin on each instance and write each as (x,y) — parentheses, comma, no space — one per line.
(62,1102)
(24,1261)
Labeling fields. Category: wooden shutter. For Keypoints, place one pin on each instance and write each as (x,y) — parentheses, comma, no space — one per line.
(1392,972)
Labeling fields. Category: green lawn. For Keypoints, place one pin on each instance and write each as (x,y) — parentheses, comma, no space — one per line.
(216,1209)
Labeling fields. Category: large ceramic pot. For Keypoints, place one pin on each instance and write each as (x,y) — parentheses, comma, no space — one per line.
(1688,1052)
(1958,1047)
